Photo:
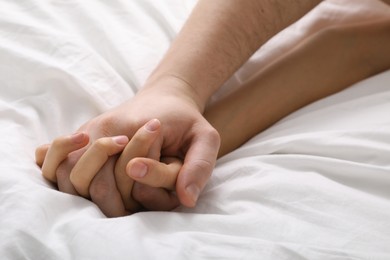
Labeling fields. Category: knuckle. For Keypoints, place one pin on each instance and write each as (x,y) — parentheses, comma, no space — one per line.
(58,142)
(101,145)
(202,164)
(214,135)
(202,167)
(209,133)
(105,125)
(140,138)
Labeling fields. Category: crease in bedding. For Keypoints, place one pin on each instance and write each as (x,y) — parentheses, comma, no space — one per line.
(313,186)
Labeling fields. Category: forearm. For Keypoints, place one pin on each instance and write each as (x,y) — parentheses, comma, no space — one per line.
(219,36)
(324,64)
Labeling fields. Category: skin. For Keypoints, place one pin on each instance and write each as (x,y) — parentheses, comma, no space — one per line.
(237,116)
(324,64)
(205,54)
(202,57)
(97,156)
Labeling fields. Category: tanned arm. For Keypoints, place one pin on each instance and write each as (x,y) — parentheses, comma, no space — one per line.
(219,36)
(324,64)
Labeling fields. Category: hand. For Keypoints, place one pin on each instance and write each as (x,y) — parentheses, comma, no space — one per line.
(93,163)
(185,134)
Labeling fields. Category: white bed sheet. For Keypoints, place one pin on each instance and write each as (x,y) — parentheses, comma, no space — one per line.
(316,185)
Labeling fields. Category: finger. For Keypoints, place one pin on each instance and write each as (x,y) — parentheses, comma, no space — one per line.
(154,198)
(155,149)
(63,172)
(104,192)
(138,146)
(58,152)
(198,165)
(154,173)
(93,160)
(40,154)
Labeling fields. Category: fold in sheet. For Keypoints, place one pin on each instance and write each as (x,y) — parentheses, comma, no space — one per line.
(313,186)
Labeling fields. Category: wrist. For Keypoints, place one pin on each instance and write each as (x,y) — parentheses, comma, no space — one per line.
(174,84)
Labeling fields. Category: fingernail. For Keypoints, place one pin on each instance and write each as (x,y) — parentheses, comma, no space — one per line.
(193,191)
(138,170)
(77,138)
(152,125)
(121,140)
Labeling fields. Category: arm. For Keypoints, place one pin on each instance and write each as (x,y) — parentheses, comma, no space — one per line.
(324,64)
(220,36)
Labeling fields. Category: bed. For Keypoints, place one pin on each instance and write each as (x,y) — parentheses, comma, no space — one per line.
(315,185)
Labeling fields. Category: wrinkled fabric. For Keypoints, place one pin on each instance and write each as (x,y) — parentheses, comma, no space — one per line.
(316,185)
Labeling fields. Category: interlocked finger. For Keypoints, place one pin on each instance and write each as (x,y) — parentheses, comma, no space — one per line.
(40,154)
(139,146)
(154,173)
(156,199)
(93,160)
(58,152)
(104,192)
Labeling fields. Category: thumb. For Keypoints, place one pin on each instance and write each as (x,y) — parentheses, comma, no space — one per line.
(198,165)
